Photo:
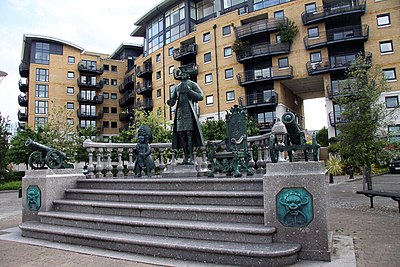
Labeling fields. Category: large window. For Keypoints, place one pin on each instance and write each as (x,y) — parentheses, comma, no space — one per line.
(42,53)
(89,64)
(88,95)
(174,23)
(88,124)
(42,91)
(40,122)
(260,4)
(88,110)
(41,107)
(155,37)
(266,119)
(42,75)
(201,9)
(231,3)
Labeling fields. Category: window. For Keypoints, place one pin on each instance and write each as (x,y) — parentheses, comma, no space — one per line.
(42,75)
(230,3)
(209,100)
(106,124)
(88,124)
(278,39)
(313,32)
(88,64)
(170,51)
(315,57)
(158,58)
(383,20)
(311,8)
(114,82)
(283,62)
(113,68)
(106,81)
(206,37)
(114,124)
(42,91)
(113,96)
(266,119)
(70,90)
(158,93)
(386,46)
(171,70)
(106,67)
(208,78)
(113,110)
(106,109)
(88,110)
(71,60)
(40,122)
(230,96)
(158,75)
(71,75)
(390,74)
(41,107)
(228,74)
(42,53)
(70,105)
(207,57)
(70,121)
(392,101)
(226,30)
(106,95)
(228,51)
(394,133)
(202,9)
(279,14)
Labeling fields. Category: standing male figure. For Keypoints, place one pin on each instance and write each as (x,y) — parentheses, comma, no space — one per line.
(187,132)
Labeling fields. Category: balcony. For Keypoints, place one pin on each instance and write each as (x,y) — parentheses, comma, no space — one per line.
(89,84)
(337,35)
(342,8)
(339,88)
(126,116)
(334,63)
(185,51)
(90,115)
(144,71)
(265,127)
(23,85)
(127,99)
(336,118)
(23,100)
(22,115)
(143,87)
(262,50)
(262,75)
(261,99)
(260,26)
(146,103)
(89,69)
(97,99)
(130,80)
(24,69)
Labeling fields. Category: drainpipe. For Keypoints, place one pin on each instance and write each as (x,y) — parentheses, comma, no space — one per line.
(216,70)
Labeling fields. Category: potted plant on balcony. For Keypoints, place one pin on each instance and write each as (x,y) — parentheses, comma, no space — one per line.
(287,32)
(240,46)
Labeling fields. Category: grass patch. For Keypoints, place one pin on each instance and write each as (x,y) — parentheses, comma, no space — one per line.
(14,185)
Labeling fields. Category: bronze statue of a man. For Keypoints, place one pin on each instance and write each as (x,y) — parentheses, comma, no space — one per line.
(187,132)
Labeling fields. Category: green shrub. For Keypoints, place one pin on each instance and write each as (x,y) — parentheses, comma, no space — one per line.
(334,165)
(14,185)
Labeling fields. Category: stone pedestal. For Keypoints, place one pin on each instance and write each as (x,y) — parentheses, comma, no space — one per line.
(41,187)
(180,171)
(296,203)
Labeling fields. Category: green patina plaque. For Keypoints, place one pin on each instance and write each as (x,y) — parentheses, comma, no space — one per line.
(33,198)
(294,207)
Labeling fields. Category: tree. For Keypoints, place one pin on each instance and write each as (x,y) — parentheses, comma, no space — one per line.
(18,152)
(288,31)
(322,137)
(363,137)
(3,144)
(214,130)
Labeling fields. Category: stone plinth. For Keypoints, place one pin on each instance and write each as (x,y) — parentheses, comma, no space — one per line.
(43,187)
(295,202)
(179,171)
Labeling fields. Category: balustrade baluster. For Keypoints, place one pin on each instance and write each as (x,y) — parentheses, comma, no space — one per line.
(161,166)
(260,162)
(109,165)
(204,163)
(173,162)
(90,167)
(130,162)
(251,162)
(120,166)
(99,164)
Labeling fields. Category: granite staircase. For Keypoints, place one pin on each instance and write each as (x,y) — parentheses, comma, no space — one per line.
(215,220)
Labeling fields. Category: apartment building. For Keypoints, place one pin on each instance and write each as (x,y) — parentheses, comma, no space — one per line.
(57,75)
(266,75)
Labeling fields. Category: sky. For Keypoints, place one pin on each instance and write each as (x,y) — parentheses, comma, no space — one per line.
(98,27)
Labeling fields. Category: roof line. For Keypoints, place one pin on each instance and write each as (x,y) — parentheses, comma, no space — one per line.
(54,39)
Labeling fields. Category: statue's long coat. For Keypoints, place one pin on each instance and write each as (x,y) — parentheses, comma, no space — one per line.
(195,95)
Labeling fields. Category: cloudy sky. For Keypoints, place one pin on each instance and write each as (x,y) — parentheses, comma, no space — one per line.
(86,23)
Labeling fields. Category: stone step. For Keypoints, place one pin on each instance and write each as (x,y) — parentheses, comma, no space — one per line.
(234,232)
(246,198)
(184,184)
(245,214)
(235,253)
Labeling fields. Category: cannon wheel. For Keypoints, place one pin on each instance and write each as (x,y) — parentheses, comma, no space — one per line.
(53,160)
(36,161)
(273,152)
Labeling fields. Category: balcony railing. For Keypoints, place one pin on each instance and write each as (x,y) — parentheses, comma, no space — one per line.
(265,25)
(336,118)
(126,116)
(127,99)
(23,100)
(89,84)
(83,68)
(342,34)
(89,115)
(261,99)
(342,8)
(97,99)
(262,50)
(333,63)
(24,69)
(144,71)
(267,74)
(23,85)
(142,87)
(146,103)
(339,88)
(191,68)
(185,51)
(22,116)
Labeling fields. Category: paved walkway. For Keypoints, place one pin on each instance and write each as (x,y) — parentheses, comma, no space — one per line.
(375,232)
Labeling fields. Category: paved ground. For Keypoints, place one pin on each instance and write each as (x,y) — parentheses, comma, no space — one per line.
(375,232)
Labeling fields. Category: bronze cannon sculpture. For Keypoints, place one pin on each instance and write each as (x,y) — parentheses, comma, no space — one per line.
(53,158)
(292,139)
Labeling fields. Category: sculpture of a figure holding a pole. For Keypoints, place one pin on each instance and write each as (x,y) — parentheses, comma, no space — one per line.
(187,132)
